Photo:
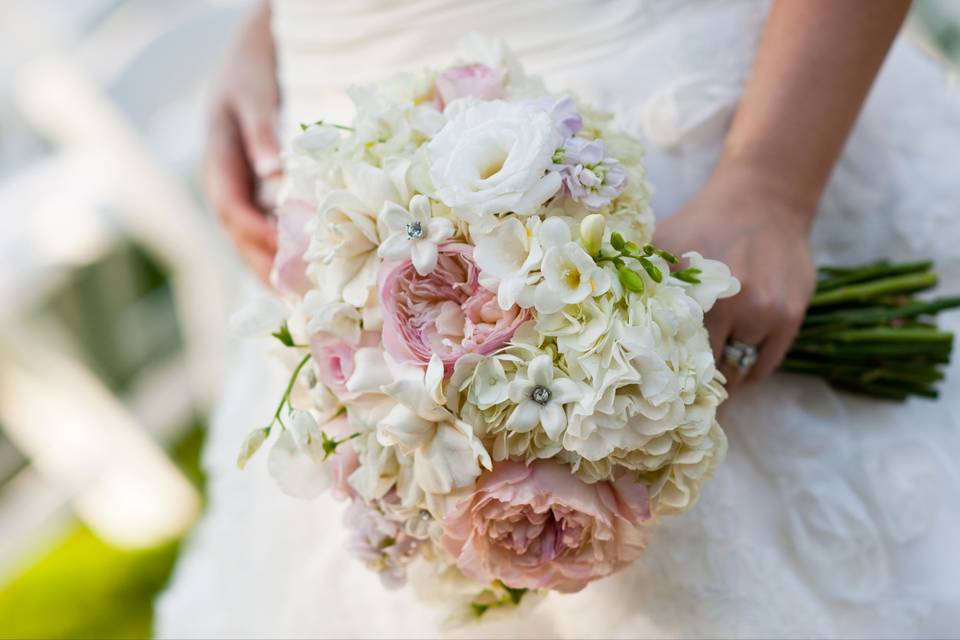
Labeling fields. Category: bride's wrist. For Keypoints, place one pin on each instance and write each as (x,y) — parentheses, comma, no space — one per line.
(784,194)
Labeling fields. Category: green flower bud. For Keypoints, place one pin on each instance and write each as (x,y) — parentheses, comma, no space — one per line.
(251,445)
(631,280)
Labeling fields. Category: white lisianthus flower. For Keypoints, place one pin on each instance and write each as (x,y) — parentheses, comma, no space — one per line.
(337,318)
(446,453)
(296,460)
(507,258)
(716,281)
(413,233)
(540,397)
(570,275)
(494,157)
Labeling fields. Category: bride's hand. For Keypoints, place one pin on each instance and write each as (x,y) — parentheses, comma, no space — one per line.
(741,218)
(241,164)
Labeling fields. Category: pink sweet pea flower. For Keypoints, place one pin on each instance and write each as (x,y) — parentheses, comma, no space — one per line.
(468,81)
(289,273)
(540,527)
(446,312)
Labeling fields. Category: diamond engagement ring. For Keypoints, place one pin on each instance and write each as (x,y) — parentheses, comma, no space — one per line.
(740,355)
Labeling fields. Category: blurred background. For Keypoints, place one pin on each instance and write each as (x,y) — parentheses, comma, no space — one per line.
(115,290)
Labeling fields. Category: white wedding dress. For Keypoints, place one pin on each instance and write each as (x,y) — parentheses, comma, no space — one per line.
(833,516)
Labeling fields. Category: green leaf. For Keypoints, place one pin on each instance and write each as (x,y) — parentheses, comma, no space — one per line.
(283,335)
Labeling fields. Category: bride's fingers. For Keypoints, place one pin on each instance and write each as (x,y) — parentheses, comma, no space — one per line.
(749,331)
(775,348)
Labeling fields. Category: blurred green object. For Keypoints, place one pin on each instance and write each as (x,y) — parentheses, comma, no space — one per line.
(84,588)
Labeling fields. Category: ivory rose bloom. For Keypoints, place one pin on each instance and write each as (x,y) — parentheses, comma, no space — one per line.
(468,81)
(539,527)
(494,157)
(446,312)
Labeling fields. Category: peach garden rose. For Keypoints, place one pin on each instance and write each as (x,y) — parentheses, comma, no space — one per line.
(540,527)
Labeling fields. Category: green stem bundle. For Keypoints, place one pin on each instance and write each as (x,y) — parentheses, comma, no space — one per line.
(865,332)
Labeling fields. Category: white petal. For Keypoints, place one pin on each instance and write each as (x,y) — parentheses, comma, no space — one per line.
(404,429)
(540,371)
(439,229)
(546,299)
(394,218)
(396,247)
(554,232)
(299,474)
(554,419)
(565,390)
(525,417)
(420,208)
(370,372)
(423,253)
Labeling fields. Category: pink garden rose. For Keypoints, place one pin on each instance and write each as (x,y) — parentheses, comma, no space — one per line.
(446,312)
(335,362)
(289,273)
(468,81)
(540,527)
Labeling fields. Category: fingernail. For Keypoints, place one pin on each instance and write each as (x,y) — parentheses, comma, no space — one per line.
(267,165)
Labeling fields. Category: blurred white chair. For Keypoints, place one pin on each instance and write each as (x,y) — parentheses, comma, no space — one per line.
(106,180)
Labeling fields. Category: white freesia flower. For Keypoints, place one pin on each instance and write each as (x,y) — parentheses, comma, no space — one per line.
(716,281)
(296,460)
(446,454)
(540,397)
(337,318)
(507,258)
(413,233)
(493,157)
(570,275)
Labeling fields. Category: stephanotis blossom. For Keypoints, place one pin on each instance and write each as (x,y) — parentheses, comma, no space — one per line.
(446,312)
(539,527)
(413,233)
(468,81)
(590,177)
(495,157)
(540,396)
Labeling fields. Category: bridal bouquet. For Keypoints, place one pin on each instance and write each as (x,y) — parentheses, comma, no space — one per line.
(490,360)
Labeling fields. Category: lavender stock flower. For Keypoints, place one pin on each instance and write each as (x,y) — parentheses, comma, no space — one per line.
(589,176)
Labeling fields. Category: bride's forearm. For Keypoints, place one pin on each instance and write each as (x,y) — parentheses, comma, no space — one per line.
(816,62)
